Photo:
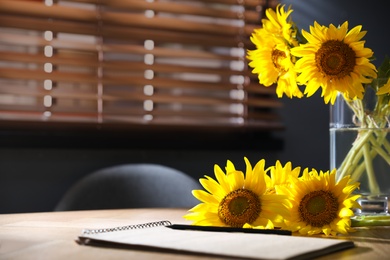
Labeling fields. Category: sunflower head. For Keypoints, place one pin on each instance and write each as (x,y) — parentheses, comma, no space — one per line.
(238,200)
(271,59)
(319,204)
(334,59)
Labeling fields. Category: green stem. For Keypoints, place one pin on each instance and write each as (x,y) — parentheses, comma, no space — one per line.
(372,183)
(366,221)
(353,157)
(359,169)
(376,144)
(386,143)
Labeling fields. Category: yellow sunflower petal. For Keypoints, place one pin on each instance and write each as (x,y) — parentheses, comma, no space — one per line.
(385,89)
(230,167)
(250,179)
(204,196)
(263,223)
(236,180)
(213,187)
(222,179)
(345,212)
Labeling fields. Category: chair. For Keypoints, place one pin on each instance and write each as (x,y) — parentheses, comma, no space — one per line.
(131,186)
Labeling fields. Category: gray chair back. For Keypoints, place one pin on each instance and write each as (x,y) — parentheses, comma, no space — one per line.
(131,186)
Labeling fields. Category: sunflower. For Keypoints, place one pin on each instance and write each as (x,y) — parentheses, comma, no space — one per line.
(281,175)
(271,59)
(319,204)
(334,59)
(238,201)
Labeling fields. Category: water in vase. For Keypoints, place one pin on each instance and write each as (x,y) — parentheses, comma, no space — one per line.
(366,162)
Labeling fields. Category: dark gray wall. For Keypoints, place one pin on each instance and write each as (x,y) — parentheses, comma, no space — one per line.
(34,179)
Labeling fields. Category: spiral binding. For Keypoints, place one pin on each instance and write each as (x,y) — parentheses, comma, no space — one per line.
(122,228)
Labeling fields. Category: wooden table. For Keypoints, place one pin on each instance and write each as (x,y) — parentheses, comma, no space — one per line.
(52,235)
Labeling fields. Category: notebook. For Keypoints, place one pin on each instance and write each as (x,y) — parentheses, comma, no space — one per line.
(227,243)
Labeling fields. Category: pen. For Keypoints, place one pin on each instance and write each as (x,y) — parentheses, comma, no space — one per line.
(230,229)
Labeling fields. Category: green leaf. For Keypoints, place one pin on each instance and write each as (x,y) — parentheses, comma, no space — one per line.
(384,68)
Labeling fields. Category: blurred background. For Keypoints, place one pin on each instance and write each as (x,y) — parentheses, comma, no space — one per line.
(33,179)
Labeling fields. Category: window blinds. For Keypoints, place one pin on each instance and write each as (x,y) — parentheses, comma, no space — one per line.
(133,62)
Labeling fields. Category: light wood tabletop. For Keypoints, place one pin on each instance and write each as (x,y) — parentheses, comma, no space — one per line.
(52,235)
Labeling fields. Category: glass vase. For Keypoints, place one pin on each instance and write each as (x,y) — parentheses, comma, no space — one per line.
(360,147)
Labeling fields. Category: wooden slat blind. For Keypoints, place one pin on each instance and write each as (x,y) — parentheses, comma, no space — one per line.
(159,62)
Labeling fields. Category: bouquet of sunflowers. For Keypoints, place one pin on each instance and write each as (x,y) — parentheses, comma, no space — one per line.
(310,202)
(331,58)
(335,60)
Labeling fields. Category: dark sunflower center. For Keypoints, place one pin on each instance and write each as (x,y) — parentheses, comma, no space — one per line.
(239,207)
(318,208)
(277,56)
(335,59)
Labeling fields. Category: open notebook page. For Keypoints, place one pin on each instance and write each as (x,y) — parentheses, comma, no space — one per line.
(240,245)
